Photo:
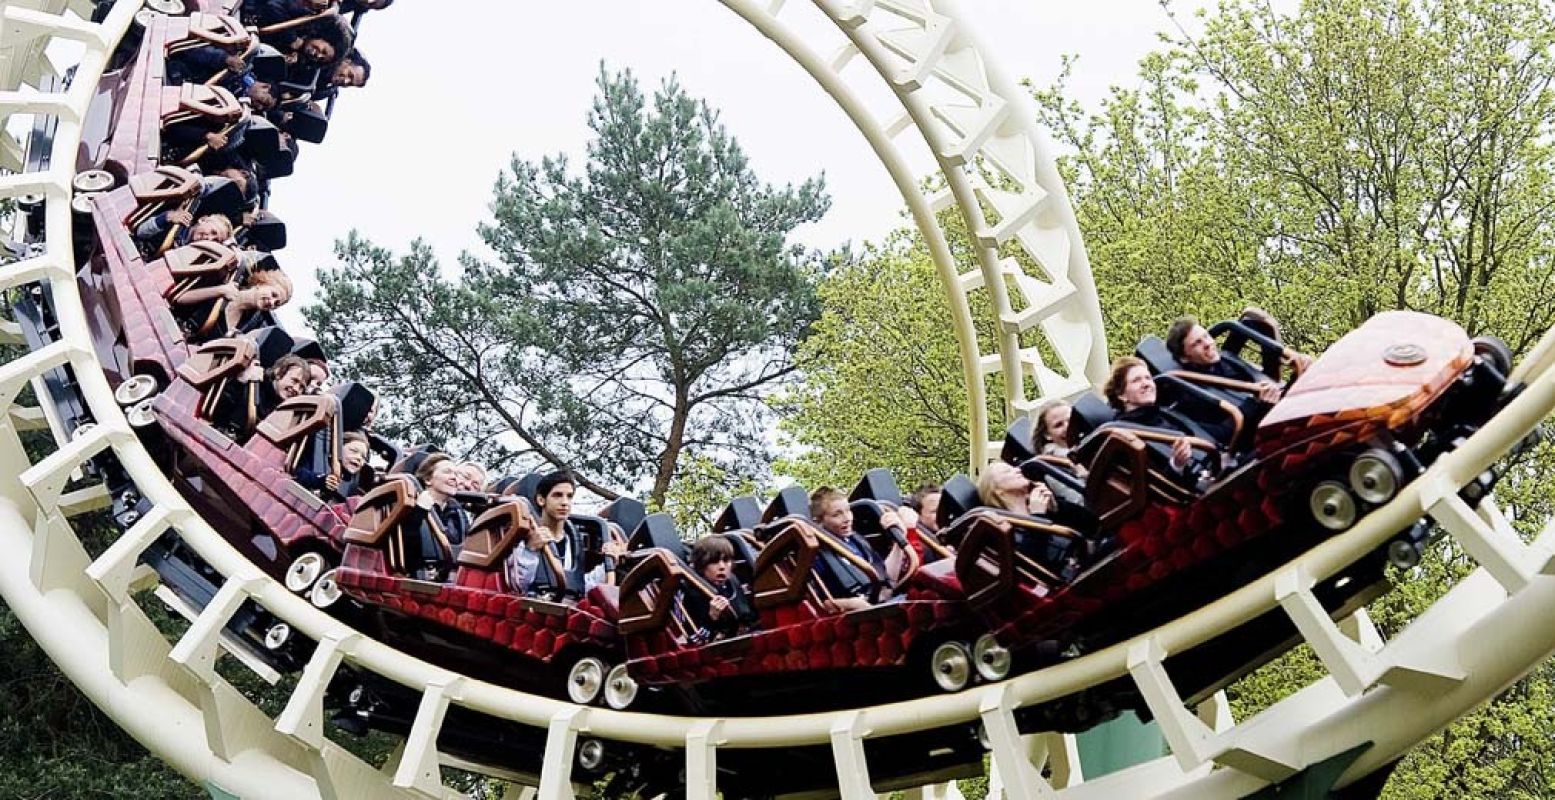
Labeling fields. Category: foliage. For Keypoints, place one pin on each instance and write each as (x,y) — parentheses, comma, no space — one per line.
(635,314)
(882,377)
(1356,156)
(53,741)
(1350,157)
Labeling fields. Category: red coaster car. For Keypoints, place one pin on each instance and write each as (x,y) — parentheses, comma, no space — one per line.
(1362,421)
(799,651)
(476,622)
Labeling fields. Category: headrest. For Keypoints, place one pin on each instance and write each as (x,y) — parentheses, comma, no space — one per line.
(957,496)
(528,485)
(1090,412)
(309,349)
(220,195)
(261,139)
(1152,349)
(791,501)
(355,401)
(269,65)
(307,125)
(273,342)
(505,485)
(742,513)
(411,461)
(1017,441)
(877,484)
(658,530)
(268,233)
(627,512)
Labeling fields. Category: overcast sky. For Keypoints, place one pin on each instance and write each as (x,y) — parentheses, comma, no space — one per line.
(454,95)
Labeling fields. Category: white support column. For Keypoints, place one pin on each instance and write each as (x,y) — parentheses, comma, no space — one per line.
(46,479)
(1017,776)
(561,743)
(1063,760)
(303,717)
(847,746)
(1496,548)
(198,650)
(1352,667)
(702,759)
(113,569)
(419,767)
(1188,737)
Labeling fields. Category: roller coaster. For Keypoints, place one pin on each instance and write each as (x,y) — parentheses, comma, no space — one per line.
(1001,637)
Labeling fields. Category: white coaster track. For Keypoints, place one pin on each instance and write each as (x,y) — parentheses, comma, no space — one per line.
(1486,632)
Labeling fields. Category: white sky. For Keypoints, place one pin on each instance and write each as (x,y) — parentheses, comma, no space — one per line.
(455,94)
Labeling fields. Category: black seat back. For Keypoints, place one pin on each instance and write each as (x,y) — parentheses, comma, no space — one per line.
(268,233)
(274,343)
(1091,411)
(1017,441)
(411,461)
(658,530)
(626,512)
(307,125)
(268,65)
(220,195)
(742,513)
(528,486)
(877,484)
(792,501)
(1153,351)
(957,496)
(356,401)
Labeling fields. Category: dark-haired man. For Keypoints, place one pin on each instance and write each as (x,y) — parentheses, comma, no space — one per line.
(1193,347)
(553,499)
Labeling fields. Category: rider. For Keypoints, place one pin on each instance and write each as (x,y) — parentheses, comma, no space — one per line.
(1131,390)
(729,608)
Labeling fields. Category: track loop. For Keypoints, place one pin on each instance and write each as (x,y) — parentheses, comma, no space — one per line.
(1031,282)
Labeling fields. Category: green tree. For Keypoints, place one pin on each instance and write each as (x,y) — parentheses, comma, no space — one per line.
(882,376)
(1351,157)
(635,313)
(1346,158)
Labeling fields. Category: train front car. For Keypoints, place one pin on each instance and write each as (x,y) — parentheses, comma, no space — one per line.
(1361,422)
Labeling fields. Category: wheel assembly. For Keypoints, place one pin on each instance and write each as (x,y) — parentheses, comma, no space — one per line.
(1332,505)
(304,571)
(1375,476)
(100,180)
(585,679)
(169,7)
(620,688)
(951,666)
(135,390)
(992,659)
(325,592)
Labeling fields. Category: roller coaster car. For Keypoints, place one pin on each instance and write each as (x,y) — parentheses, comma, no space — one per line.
(145,107)
(799,650)
(249,491)
(1364,419)
(566,648)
